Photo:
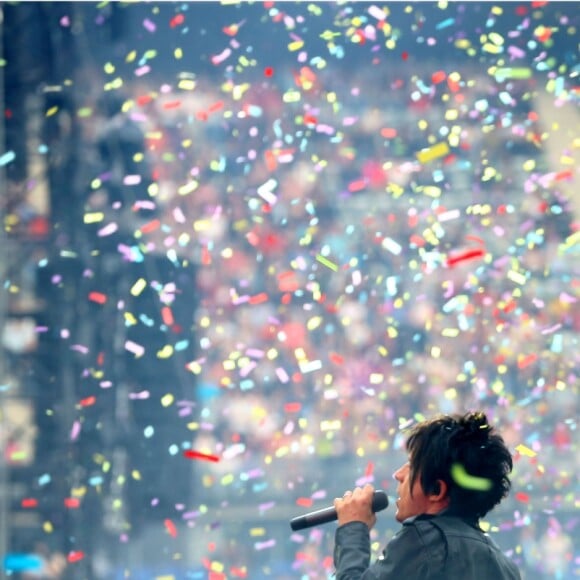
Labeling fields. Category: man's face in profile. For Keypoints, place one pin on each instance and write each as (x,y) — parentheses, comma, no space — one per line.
(409,505)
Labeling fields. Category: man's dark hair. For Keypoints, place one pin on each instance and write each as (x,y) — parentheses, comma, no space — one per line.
(468,455)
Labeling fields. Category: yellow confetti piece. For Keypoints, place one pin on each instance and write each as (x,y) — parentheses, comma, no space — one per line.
(523,450)
(167,400)
(516,277)
(467,481)
(326,262)
(438,150)
(186,84)
(291,96)
(47,527)
(296,45)
(138,287)
(502,74)
(188,187)
(165,352)
(51,111)
(94,217)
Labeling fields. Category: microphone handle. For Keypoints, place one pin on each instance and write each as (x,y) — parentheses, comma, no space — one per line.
(325,515)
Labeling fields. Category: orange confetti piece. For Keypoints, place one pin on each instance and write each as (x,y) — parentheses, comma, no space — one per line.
(336,358)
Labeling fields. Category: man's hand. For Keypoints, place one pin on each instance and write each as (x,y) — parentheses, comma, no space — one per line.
(356,506)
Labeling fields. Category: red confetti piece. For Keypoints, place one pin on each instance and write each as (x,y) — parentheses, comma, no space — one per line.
(388,132)
(268,71)
(525,361)
(310,120)
(88,401)
(453,85)
(239,572)
(190,454)
(292,407)
(417,240)
(438,77)
(475,239)
(304,502)
(523,497)
(205,256)
(150,226)
(177,20)
(216,575)
(167,316)
(271,161)
(563,175)
(144,100)
(97,297)
(465,256)
(29,502)
(75,556)
(217,106)
(405,55)
(258,298)
(71,503)
(170,527)
(357,185)
(172,105)
(370,469)
(336,358)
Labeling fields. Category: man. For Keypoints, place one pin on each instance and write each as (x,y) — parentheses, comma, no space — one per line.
(458,470)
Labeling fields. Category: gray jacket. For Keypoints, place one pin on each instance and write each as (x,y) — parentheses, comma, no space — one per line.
(440,547)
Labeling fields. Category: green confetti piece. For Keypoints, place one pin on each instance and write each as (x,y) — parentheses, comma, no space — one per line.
(326,262)
(467,481)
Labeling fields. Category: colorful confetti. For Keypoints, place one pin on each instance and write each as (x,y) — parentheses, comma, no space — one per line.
(268,237)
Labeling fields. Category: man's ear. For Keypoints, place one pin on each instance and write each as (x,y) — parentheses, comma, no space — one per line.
(440,491)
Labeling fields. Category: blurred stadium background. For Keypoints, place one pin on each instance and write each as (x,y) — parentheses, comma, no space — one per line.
(245,245)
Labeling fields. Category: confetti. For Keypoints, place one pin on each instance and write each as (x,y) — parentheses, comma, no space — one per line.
(303,246)
(190,454)
(464,479)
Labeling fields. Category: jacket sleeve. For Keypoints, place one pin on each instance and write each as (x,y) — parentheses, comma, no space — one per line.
(404,557)
(352,552)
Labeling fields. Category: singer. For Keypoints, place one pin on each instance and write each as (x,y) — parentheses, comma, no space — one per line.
(458,470)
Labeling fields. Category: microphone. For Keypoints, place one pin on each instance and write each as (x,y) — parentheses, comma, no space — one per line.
(325,515)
